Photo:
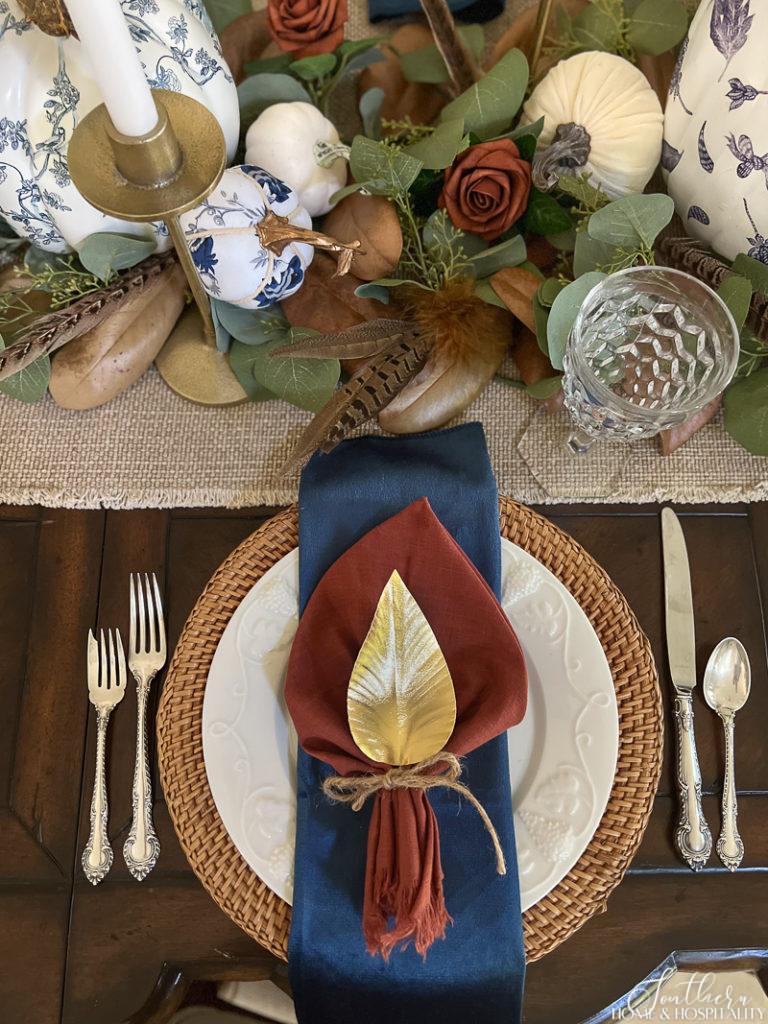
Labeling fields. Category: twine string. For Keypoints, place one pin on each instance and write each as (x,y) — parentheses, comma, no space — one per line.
(356,789)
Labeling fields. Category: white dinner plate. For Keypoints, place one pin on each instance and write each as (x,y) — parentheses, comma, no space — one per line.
(562,756)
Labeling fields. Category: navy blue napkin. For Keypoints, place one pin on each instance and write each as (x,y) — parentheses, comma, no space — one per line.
(472,11)
(476,973)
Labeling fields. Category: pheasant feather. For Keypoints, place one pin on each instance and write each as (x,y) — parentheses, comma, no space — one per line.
(358,342)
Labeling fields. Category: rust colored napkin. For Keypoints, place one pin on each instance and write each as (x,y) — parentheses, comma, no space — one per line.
(404,879)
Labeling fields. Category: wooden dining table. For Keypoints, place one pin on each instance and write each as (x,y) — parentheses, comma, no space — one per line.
(129,951)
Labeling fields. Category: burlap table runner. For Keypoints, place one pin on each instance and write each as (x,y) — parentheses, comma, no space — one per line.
(148,448)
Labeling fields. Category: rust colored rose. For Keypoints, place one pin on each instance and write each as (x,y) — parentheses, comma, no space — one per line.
(306,27)
(486,188)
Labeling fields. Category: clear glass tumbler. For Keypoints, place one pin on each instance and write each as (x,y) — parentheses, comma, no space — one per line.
(649,347)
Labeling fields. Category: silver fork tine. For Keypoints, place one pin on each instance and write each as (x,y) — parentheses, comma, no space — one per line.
(121,674)
(142,615)
(160,616)
(103,680)
(93,661)
(112,666)
(132,637)
(151,612)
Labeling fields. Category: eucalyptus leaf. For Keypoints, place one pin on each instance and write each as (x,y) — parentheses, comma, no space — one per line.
(632,221)
(520,131)
(656,26)
(746,412)
(545,388)
(754,270)
(565,307)
(564,241)
(591,254)
(506,254)
(348,190)
(438,150)
(383,169)
(30,384)
(258,92)
(371,290)
(549,289)
(540,317)
(484,290)
(267,65)
(427,65)
(439,233)
(488,107)
(370,111)
(222,335)
(106,252)
(352,47)
(305,383)
(363,60)
(241,359)
(309,69)
(545,216)
(224,11)
(252,326)
(594,29)
(37,260)
(736,293)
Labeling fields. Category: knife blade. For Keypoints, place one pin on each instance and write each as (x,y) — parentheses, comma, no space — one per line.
(692,836)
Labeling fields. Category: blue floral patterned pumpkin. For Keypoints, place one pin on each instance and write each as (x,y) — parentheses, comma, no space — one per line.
(46,88)
(229,256)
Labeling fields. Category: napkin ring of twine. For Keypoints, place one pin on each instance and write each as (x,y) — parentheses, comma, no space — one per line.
(355,789)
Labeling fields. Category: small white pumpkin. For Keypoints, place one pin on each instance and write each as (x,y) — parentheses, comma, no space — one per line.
(47,87)
(607,117)
(282,140)
(715,155)
(224,242)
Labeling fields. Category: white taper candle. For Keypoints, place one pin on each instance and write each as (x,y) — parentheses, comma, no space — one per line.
(106,39)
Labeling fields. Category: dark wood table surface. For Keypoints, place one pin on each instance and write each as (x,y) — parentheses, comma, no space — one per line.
(127,951)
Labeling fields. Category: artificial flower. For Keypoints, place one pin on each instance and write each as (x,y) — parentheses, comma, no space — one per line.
(307,27)
(486,188)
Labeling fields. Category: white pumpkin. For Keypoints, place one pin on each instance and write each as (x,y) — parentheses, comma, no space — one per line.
(231,261)
(618,111)
(46,88)
(282,140)
(715,155)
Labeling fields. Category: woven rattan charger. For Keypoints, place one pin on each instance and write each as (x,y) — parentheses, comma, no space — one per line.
(585,889)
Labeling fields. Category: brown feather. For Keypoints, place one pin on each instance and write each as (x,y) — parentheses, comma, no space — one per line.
(454,51)
(363,396)
(49,332)
(357,342)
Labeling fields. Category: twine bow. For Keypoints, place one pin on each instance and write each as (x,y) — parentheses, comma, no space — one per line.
(355,789)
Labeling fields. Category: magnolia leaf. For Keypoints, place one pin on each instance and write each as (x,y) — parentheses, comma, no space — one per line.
(427,65)
(564,309)
(545,216)
(545,388)
(383,169)
(31,383)
(241,359)
(370,112)
(746,412)
(401,704)
(632,221)
(489,106)
(656,26)
(252,326)
(224,11)
(506,254)
(260,91)
(736,293)
(105,252)
(309,69)
(753,269)
(438,150)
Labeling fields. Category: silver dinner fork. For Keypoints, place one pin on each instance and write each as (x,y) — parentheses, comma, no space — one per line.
(146,656)
(106,688)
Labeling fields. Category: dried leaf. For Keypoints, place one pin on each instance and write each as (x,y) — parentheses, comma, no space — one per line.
(516,286)
(674,438)
(374,221)
(328,303)
(243,40)
(368,391)
(359,342)
(401,704)
(403,99)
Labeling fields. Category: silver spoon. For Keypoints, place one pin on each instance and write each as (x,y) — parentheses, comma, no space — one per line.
(726,688)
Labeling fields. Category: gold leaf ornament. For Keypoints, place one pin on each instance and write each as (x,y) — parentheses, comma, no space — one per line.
(401,705)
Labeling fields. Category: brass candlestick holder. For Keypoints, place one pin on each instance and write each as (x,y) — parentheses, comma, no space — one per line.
(159,176)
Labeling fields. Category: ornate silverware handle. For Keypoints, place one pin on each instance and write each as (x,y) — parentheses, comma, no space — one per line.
(692,837)
(730,848)
(97,855)
(142,847)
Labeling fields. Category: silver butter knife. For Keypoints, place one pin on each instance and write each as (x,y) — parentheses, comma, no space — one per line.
(692,836)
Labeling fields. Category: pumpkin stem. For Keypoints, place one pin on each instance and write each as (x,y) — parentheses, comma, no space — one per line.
(567,153)
(275,232)
(50,16)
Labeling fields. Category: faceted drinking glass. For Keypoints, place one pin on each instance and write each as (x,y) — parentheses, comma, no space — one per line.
(650,346)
